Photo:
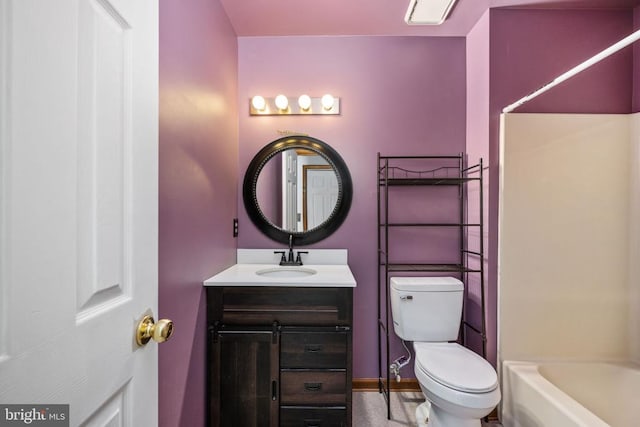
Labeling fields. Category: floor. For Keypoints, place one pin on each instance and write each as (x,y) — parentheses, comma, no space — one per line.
(370,409)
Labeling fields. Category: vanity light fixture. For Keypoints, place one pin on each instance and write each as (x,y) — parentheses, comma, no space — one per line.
(258,103)
(304,102)
(302,105)
(327,101)
(282,102)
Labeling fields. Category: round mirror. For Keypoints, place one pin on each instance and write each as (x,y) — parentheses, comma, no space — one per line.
(297,186)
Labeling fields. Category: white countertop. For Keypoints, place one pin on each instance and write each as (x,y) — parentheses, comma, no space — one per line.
(330,267)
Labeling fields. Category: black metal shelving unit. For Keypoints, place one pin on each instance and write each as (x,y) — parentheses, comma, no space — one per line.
(428,171)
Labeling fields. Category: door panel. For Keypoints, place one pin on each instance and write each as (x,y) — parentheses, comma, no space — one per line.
(78,212)
(115,412)
(104,156)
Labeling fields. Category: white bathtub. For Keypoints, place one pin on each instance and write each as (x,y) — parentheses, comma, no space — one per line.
(570,394)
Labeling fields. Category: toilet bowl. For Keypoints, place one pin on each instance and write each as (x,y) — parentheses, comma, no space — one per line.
(461,386)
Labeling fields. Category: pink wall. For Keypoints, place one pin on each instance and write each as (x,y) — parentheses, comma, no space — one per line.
(198,189)
(477,56)
(523,58)
(399,95)
(636,63)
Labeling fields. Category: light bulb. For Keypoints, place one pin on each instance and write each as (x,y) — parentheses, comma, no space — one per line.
(282,102)
(327,101)
(304,102)
(258,103)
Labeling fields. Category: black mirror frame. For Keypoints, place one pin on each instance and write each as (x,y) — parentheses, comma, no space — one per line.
(331,224)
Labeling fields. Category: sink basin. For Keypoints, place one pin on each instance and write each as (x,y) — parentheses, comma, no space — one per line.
(286,272)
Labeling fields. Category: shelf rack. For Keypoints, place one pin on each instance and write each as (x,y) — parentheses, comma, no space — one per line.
(428,171)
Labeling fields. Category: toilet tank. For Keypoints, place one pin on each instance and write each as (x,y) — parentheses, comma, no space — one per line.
(427,309)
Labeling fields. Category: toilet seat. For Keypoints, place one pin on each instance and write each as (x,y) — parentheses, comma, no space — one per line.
(455,367)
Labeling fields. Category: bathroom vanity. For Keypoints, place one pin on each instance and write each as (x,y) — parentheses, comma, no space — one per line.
(279,341)
(280,323)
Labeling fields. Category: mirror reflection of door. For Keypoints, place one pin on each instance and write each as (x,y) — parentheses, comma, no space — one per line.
(310,192)
(319,194)
(290,190)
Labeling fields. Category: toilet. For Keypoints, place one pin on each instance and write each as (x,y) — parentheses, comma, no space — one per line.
(460,386)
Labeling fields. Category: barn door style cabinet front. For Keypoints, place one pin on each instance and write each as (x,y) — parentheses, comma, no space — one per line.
(244,376)
(279,356)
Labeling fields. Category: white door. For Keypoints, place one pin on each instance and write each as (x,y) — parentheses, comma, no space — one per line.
(78,206)
(321,188)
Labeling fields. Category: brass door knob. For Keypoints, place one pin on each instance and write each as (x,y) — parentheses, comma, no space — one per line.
(149,329)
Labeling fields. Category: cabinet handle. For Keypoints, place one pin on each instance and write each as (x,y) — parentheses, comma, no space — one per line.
(274,390)
(312,348)
(313,386)
(312,423)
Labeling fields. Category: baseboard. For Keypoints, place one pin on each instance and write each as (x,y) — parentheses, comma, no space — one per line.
(371,384)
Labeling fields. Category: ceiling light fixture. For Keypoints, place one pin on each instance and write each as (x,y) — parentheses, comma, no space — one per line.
(428,12)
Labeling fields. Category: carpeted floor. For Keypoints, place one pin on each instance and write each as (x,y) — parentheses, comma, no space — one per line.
(370,409)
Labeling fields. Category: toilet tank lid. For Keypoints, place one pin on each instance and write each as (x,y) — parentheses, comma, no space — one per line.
(426,284)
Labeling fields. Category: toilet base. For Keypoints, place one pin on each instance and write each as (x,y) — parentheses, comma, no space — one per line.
(440,418)
(422,413)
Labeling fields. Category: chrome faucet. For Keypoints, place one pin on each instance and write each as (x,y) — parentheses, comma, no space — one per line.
(290,258)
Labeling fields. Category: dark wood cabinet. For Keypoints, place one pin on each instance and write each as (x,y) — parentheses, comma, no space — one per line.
(303,347)
(313,416)
(245,365)
(279,356)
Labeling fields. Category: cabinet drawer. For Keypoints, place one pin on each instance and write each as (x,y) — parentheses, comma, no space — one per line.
(313,387)
(313,417)
(303,349)
(287,306)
